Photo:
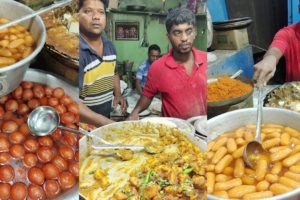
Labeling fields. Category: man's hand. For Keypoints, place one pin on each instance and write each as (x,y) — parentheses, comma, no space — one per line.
(265,70)
(119,100)
(133,116)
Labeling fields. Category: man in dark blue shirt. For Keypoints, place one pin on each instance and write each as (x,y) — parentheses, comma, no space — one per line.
(98,83)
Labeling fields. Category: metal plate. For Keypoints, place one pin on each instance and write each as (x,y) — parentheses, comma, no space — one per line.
(43,77)
(200,124)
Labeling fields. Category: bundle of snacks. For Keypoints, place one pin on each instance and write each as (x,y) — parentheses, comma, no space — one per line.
(36,167)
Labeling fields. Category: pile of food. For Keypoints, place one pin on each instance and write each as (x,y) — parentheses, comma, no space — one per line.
(16,43)
(287,96)
(275,172)
(62,27)
(226,88)
(170,167)
(36,167)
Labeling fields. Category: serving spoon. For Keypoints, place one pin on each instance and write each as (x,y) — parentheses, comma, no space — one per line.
(255,147)
(152,148)
(44,120)
(236,74)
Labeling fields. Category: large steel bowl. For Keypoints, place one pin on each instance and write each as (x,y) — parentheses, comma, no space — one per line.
(12,75)
(238,118)
(84,142)
(43,77)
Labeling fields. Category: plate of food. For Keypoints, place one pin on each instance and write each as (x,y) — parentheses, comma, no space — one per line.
(226,91)
(171,122)
(286,96)
(140,174)
(62,27)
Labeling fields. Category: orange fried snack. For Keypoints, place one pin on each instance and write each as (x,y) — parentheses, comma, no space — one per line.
(226,88)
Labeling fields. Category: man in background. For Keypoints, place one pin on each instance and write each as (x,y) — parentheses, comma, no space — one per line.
(141,75)
(179,76)
(99,83)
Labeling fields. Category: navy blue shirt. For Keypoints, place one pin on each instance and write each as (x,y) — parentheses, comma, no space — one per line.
(96,76)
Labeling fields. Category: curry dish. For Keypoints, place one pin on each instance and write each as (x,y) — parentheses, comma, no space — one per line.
(170,167)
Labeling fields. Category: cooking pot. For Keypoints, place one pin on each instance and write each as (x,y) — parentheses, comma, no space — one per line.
(238,118)
(12,75)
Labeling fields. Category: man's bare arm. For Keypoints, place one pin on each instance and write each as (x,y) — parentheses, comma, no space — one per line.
(265,69)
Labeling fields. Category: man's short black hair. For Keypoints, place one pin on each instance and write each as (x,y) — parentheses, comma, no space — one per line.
(105,3)
(180,16)
(154,47)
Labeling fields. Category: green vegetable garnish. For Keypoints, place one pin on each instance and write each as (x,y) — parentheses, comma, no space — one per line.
(187,170)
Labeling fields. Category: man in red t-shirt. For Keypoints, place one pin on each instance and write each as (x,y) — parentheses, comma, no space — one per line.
(285,43)
(180,75)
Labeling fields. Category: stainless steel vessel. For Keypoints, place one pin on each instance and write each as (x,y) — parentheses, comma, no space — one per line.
(11,76)
(43,77)
(238,118)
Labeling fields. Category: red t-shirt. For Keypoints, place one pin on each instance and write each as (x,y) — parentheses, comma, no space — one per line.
(288,41)
(183,96)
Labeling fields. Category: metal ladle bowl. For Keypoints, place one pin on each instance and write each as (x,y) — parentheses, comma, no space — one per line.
(255,147)
(44,120)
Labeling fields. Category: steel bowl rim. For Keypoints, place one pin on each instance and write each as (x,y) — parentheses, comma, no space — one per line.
(40,45)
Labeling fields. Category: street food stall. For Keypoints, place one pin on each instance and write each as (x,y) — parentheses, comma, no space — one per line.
(155,157)
(33,167)
(235,169)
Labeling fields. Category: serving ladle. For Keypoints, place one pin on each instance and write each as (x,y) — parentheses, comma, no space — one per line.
(236,74)
(254,147)
(44,120)
(151,148)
